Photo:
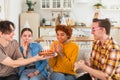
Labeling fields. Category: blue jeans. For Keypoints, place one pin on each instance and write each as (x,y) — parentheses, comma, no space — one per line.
(61,76)
(27,71)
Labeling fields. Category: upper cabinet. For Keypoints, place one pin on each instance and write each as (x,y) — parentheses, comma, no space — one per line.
(45,3)
(67,4)
(56,4)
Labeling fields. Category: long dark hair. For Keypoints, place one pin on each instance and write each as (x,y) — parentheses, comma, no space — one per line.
(28,48)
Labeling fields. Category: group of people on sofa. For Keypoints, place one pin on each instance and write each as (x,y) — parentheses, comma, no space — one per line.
(25,62)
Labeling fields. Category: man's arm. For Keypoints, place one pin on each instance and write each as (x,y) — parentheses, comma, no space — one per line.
(96,73)
(20,62)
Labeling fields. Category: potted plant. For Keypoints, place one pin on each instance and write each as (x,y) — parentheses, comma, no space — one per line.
(43,21)
(30,5)
(98,5)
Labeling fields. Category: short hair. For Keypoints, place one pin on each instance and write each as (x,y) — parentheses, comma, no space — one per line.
(67,29)
(26,29)
(105,23)
(5,26)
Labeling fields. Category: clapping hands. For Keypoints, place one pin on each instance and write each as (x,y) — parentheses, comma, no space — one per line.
(58,49)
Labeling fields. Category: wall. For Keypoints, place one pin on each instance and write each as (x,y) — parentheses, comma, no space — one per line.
(2,9)
(10,11)
(78,13)
(14,15)
(81,11)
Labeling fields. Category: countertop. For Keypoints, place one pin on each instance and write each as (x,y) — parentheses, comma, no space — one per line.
(76,39)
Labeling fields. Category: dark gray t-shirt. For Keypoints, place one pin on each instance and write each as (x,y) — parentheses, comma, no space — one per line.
(13,51)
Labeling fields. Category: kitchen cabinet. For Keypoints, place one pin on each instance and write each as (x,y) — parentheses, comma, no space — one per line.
(114,15)
(56,4)
(81,35)
(33,20)
(46,31)
(81,1)
(45,4)
(115,32)
(77,31)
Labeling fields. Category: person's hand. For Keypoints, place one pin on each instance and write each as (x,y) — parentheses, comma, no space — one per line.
(79,65)
(31,75)
(36,72)
(88,63)
(58,49)
(25,47)
(43,57)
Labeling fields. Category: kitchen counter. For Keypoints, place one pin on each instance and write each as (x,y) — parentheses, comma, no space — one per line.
(76,39)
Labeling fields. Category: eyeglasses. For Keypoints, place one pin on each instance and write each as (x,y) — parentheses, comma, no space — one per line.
(95,28)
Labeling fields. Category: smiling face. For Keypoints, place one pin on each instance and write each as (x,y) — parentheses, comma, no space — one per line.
(97,31)
(63,32)
(101,29)
(62,36)
(8,36)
